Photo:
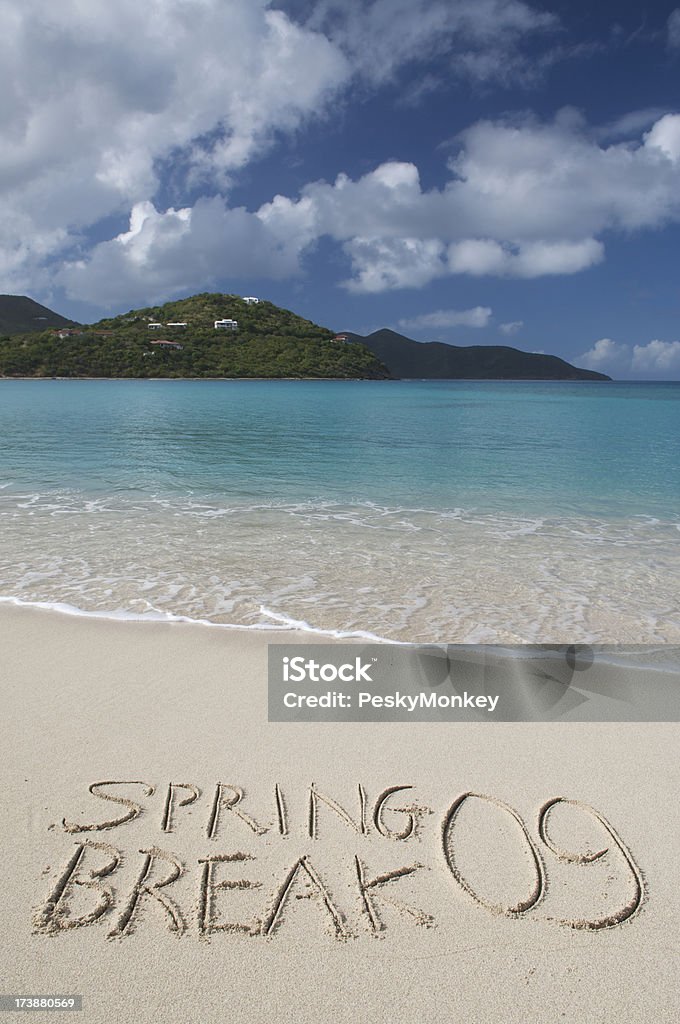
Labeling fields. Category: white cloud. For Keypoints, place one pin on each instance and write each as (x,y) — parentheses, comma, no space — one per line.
(530,259)
(674,29)
(95,95)
(98,99)
(657,357)
(605,354)
(524,200)
(127,84)
(477,256)
(478,316)
(552,181)
(383,264)
(653,360)
(512,327)
(178,251)
(664,136)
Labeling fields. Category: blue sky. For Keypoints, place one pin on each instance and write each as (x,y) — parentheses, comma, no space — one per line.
(469,171)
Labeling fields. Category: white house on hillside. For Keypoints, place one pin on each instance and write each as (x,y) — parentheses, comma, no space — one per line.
(173,345)
(250,300)
(177,324)
(153,326)
(227,325)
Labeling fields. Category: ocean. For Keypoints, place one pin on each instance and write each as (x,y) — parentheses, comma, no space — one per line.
(433,511)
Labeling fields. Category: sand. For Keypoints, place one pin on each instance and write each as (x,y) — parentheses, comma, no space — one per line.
(212,902)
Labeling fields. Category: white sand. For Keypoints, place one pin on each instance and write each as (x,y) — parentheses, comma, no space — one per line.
(88,701)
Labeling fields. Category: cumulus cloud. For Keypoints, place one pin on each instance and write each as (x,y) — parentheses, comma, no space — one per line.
(604,355)
(664,136)
(512,327)
(651,360)
(657,357)
(96,96)
(523,200)
(101,100)
(529,259)
(381,264)
(178,251)
(128,85)
(552,180)
(478,316)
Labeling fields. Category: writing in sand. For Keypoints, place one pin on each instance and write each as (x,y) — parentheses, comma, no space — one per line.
(387,859)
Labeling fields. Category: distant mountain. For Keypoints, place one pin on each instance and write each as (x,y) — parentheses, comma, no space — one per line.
(435,361)
(207,335)
(21,315)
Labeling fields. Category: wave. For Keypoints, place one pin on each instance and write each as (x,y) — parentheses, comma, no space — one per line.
(345,570)
(280,623)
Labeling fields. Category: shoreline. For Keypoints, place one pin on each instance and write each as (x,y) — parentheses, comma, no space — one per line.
(353,380)
(628,655)
(374,380)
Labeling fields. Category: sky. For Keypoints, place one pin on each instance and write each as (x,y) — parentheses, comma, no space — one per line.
(477,172)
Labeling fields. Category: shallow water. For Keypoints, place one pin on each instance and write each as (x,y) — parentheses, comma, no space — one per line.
(456,511)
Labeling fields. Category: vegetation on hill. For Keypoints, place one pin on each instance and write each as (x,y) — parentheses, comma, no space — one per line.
(269,342)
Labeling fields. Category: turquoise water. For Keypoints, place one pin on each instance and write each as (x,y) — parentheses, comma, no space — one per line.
(415,510)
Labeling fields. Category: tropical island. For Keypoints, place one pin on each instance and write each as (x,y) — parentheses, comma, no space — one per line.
(214,335)
(207,335)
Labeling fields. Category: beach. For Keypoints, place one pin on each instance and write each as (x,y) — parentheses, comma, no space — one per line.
(176,851)
(366,890)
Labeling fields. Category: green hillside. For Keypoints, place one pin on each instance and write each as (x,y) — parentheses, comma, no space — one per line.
(269,342)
